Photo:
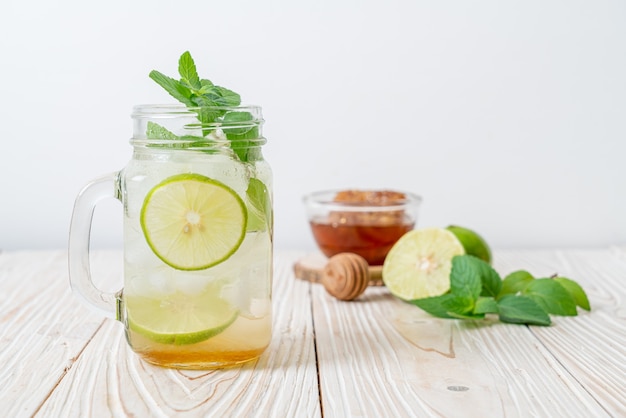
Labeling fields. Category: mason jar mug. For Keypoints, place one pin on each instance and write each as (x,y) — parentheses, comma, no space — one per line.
(197,203)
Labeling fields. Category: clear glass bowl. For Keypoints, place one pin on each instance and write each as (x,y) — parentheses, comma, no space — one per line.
(364,222)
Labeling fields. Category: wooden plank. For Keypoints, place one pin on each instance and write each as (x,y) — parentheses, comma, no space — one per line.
(42,328)
(377,356)
(381,357)
(591,346)
(108,379)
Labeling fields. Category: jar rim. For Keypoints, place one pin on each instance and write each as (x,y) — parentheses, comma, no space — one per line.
(195,144)
(178,109)
(325,199)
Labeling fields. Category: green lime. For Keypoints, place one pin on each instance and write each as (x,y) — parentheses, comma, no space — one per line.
(180,318)
(419,264)
(473,243)
(192,222)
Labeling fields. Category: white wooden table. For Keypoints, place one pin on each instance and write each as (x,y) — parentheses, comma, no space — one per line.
(374,357)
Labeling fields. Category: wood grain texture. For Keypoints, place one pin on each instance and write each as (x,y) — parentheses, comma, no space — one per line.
(372,357)
(592,345)
(109,380)
(385,358)
(41,330)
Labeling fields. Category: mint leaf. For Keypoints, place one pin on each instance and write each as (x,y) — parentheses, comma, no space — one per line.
(471,315)
(434,305)
(206,99)
(445,306)
(156,131)
(259,206)
(471,271)
(207,85)
(515,282)
(240,125)
(551,296)
(521,310)
(491,281)
(457,306)
(227,97)
(187,71)
(576,291)
(239,128)
(176,89)
(486,305)
(207,115)
(464,277)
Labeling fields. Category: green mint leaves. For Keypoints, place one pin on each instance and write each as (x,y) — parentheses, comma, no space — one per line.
(258,201)
(195,92)
(521,310)
(476,289)
(211,103)
(156,131)
(188,72)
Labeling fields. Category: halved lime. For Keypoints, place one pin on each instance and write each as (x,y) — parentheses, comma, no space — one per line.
(193,222)
(180,318)
(419,264)
(473,243)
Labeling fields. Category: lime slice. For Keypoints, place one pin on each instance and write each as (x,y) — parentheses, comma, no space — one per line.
(419,264)
(192,222)
(473,243)
(180,318)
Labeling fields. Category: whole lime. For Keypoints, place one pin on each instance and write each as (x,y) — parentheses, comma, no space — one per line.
(472,242)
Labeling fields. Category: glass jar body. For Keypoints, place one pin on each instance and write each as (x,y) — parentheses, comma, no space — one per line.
(239,287)
(198,240)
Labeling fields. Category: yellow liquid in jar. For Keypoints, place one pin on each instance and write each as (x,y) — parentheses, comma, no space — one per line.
(244,340)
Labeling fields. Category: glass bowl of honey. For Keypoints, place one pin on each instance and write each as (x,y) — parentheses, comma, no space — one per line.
(364,222)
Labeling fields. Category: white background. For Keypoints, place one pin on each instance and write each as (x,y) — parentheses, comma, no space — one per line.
(508,117)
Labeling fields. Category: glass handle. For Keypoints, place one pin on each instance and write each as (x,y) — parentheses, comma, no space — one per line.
(78,255)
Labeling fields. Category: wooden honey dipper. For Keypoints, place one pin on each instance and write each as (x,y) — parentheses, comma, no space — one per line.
(347,275)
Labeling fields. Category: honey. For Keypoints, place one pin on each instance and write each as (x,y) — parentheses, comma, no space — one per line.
(364,222)
(371,242)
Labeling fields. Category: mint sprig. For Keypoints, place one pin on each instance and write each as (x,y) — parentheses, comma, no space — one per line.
(476,289)
(211,103)
(195,92)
